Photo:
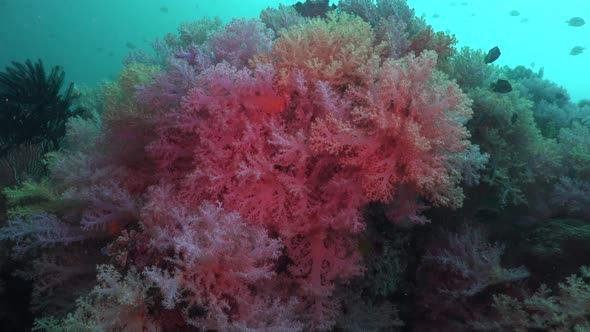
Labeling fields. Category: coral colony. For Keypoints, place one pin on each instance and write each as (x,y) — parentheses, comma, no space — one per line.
(280,174)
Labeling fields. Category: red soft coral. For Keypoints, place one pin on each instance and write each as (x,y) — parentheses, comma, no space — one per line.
(218,263)
(302,159)
(405,129)
(440,42)
(253,156)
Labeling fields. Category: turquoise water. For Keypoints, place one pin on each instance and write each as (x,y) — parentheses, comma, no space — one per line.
(545,40)
(89,37)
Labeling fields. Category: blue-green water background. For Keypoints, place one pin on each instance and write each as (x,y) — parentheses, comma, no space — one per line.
(88,37)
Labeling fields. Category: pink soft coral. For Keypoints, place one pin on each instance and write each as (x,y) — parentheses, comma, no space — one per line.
(405,129)
(249,153)
(216,262)
(240,40)
(304,169)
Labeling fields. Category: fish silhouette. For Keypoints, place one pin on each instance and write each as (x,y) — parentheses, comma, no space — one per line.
(493,55)
(577,50)
(575,22)
(501,86)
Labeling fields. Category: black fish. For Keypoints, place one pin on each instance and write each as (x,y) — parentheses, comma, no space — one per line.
(577,50)
(314,8)
(492,55)
(514,13)
(575,22)
(501,86)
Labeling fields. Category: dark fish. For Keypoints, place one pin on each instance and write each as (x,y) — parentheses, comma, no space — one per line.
(501,86)
(473,14)
(575,22)
(435,15)
(452,4)
(493,55)
(514,13)
(577,50)
(99,50)
(524,20)
(464,3)
(314,8)
(164,9)
(130,45)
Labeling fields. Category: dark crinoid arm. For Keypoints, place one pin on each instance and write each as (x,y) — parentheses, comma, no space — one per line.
(33,108)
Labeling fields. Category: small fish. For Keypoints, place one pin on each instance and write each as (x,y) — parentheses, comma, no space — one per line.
(575,22)
(464,3)
(524,20)
(473,14)
(164,9)
(577,50)
(99,50)
(493,55)
(452,4)
(501,86)
(130,45)
(435,15)
(514,13)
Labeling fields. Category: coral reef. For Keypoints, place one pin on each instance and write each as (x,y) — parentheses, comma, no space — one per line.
(294,173)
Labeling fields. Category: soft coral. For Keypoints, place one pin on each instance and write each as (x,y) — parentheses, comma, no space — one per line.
(300,156)
(405,129)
